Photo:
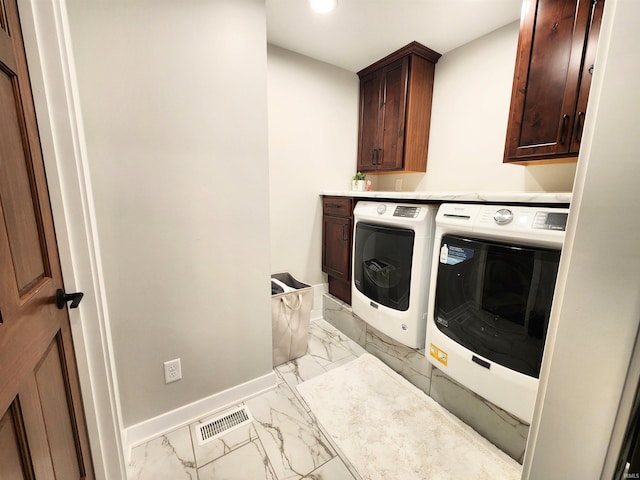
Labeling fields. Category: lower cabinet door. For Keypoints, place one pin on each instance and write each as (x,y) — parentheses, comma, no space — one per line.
(336,247)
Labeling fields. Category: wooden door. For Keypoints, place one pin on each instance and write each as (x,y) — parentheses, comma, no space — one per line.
(42,428)
(394,107)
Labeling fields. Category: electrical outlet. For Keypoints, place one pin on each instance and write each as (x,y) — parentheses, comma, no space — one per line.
(172,371)
(398,185)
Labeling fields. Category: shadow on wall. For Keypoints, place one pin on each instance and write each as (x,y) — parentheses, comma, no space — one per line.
(543,179)
(536,178)
(404,182)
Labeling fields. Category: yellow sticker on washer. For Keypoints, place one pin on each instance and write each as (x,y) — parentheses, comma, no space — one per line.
(438,354)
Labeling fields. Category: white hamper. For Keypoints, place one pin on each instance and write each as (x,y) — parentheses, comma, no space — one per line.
(290,310)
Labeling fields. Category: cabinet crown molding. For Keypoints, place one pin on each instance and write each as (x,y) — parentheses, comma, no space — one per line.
(413,48)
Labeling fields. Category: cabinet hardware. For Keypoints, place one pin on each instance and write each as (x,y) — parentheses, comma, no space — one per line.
(563,127)
(579,126)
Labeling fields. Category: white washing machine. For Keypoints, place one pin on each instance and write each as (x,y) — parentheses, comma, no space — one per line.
(493,273)
(392,251)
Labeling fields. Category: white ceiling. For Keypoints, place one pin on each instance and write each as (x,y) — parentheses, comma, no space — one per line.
(360,32)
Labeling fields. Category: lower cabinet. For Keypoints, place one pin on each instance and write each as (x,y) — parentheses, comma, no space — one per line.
(337,242)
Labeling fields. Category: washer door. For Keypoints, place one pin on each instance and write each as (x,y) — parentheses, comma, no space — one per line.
(382,263)
(495,299)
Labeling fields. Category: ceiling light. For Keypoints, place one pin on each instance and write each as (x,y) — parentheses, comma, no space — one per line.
(322,6)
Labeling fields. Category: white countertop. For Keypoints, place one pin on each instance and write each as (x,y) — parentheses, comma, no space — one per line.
(493,197)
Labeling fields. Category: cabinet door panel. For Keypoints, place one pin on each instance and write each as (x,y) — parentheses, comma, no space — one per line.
(548,73)
(336,254)
(545,89)
(394,104)
(369,113)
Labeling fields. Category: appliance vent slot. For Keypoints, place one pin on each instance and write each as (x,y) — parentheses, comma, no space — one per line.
(453,215)
(224,424)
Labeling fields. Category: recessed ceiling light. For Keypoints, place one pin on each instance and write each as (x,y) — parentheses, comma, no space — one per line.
(322,6)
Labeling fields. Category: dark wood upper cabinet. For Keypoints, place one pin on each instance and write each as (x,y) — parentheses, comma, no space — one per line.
(395,110)
(554,64)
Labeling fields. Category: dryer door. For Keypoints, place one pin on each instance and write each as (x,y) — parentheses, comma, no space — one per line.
(382,262)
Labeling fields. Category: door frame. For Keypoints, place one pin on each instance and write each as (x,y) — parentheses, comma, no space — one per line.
(51,67)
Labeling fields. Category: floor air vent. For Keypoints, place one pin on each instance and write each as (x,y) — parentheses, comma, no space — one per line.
(224,424)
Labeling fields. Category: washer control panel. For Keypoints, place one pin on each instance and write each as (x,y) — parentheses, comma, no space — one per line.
(522,217)
(398,214)
(407,212)
(523,223)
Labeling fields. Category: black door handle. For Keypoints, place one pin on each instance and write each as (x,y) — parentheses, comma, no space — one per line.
(563,127)
(579,125)
(62,298)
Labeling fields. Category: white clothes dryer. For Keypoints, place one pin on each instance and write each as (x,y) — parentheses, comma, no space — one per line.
(392,248)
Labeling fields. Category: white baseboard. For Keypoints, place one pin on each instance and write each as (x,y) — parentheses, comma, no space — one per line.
(318,291)
(144,431)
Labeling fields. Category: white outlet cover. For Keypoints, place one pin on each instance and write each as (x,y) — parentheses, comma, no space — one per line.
(172,371)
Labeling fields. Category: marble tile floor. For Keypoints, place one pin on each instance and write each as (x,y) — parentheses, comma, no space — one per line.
(283,442)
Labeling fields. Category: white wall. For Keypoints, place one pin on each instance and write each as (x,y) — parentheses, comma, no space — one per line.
(174,101)
(313,136)
(471,97)
(596,310)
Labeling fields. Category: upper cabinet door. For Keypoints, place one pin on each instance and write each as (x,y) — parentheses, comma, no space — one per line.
(554,37)
(370,105)
(392,116)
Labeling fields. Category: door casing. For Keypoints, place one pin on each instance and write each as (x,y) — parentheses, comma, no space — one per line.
(50,59)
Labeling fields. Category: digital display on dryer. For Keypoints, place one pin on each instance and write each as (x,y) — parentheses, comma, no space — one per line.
(550,221)
(408,212)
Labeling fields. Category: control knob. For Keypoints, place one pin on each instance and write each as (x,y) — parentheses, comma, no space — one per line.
(382,208)
(503,216)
